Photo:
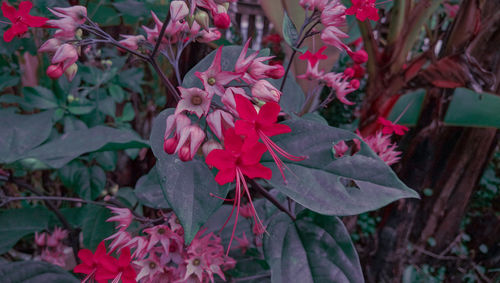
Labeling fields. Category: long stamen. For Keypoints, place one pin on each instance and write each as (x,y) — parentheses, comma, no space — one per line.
(224,199)
(281,151)
(89,276)
(117,278)
(255,215)
(238,197)
(230,215)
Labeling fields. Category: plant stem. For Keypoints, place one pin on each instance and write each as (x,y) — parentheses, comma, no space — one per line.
(270,197)
(160,36)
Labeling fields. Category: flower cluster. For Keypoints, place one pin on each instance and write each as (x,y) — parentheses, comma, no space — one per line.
(52,246)
(63,43)
(20,19)
(158,254)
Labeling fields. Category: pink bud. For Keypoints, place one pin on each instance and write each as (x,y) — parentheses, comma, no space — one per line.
(52,241)
(359,71)
(185,154)
(354,84)
(359,57)
(77,13)
(210,145)
(169,145)
(265,91)
(208,36)
(222,20)
(66,54)
(276,72)
(40,239)
(50,45)
(54,71)
(219,121)
(178,10)
(349,72)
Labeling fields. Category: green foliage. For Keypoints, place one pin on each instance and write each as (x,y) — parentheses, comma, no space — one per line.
(344,186)
(34,272)
(472,109)
(149,192)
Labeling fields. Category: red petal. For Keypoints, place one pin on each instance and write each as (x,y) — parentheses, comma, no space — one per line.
(8,35)
(25,8)
(83,268)
(125,257)
(254,154)
(245,108)
(257,171)
(129,275)
(268,114)
(275,129)
(232,141)
(9,11)
(34,21)
(243,127)
(225,176)
(221,159)
(86,256)
(101,250)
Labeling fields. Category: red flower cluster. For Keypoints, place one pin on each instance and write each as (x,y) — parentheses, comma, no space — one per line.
(363,9)
(21,19)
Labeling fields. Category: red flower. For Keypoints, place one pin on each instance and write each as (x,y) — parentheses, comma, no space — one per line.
(117,269)
(363,9)
(21,19)
(91,262)
(262,125)
(389,127)
(313,58)
(236,162)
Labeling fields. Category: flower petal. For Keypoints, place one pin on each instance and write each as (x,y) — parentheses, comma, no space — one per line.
(221,159)
(245,108)
(9,11)
(225,176)
(253,155)
(275,129)
(268,114)
(256,171)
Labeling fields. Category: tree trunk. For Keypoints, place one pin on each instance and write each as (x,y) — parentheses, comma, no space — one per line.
(448,160)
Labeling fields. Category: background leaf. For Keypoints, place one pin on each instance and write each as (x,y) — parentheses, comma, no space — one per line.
(472,109)
(149,192)
(34,272)
(290,33)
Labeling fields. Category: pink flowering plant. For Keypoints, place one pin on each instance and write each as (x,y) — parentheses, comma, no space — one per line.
(163,144)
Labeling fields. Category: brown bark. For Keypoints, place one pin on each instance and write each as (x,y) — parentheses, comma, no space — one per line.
(449,160)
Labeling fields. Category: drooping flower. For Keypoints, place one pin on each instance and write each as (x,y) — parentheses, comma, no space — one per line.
(332,35)
(190,140)
(175,124)
(333,14)
(214,79)
(178,10)
(312,73)
(262,125)
(123,217)
(131,41)
(219,121)
(194,100)
(363,9)
(77,13)
(235,162)
(390,127)
(340,84)
(314,58)
(21,19)
(265,91)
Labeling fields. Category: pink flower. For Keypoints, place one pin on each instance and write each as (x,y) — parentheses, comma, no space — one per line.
(243,62)
(382,146)
(41,239)
(359,57)
(131,41)
(210,145)
(178,10)
(66,55)
(149,268)
(258,70)
(140,244)
(208,36)
(246,211)
(314,58)
(120,239)
(50,45)
(265,91)
(340,149)
(333,36)
(190,140)
(54,71)
(222,20)
(312,73)
(333,14)
(243,243)
(314,4)
(123,217)
(342,87)
(160,234)
(214,79)
(389,127)
(363,9)
(178,122)
(228,98)
(194,100)
(76,13)
(219,121)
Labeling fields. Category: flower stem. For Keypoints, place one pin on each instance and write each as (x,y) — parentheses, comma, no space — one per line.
(256,186)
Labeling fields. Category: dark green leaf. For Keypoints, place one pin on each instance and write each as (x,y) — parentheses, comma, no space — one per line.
(116,92)
(290,33)
(69,146)
(472,109)
(315,248)
(148,190)
(34,272)
(186,185)
(128,113)
(40,97)
(17,223)
(94,225)
(21,133)
(408,107)
(322,182)
(8,81)
(87,182)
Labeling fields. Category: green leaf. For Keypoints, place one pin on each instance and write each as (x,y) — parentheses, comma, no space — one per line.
(148,190)
(186,185)
(116,92)
(8,81)
(128,113)
(34,272)
(87,182)
(69,146)
(290,33)
(472,109)
(17,223)
(21,133)
(94,225)
(40,97)
(408,107)
(322,182)
(314,248)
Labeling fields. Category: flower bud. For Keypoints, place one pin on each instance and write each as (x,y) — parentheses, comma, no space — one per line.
(169,145)
(185,154)
(277,72)
(52,241)
(354,84)
(54,71)
(178,10)
(222,20)
(71,71)
(210,145)
(40,239)
(265,91)
(202,18)
(359,57)
(77,13)
(349,72)
(50,45)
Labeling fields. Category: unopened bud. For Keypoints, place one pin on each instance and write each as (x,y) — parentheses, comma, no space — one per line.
(54,71)
(185,153)
(169,145)
(202,18)
(210,145)
(71,71)
(222,20)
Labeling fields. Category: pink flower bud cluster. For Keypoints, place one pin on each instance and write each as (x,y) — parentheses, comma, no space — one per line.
(185,137)
(381,144)
(52,247)
(159,253)
(65,53)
